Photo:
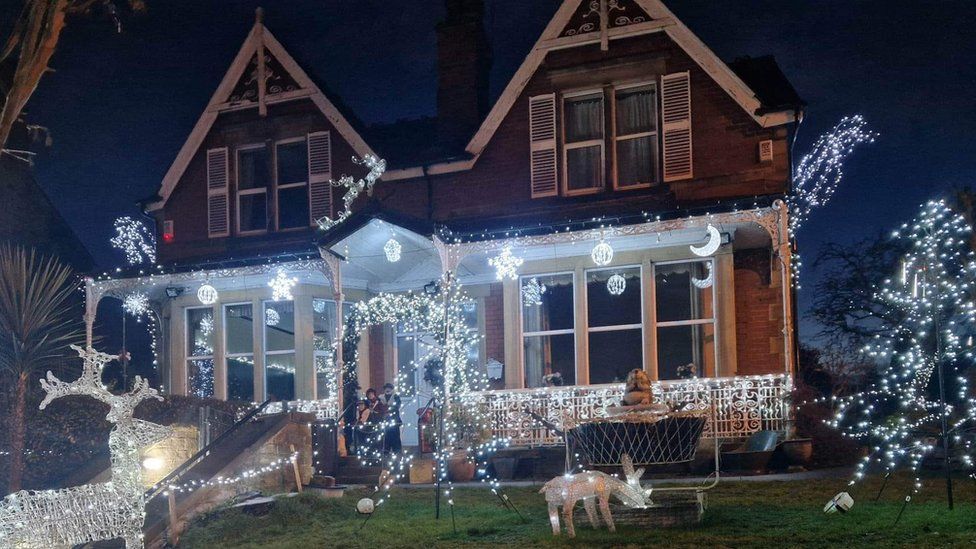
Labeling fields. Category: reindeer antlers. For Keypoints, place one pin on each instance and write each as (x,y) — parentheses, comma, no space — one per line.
(90,384)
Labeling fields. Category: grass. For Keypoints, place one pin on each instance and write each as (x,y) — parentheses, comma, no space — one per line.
(744,514)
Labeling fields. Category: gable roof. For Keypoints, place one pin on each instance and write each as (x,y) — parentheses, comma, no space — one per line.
(239,90)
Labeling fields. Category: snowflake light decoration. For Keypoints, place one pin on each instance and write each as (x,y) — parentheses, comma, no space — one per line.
(271,317)
(207,294)
(392,250)
(136,304)
(616,284)
(135,240)
(602,253)
(281,286)
(90,512)
(532,292)
(506,264)
(206,325)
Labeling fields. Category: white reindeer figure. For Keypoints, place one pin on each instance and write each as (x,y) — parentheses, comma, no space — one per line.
(593,487)
(90,512)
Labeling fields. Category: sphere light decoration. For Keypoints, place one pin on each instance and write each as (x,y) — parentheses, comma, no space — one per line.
(711,246)
(392,250)
(318,305)
(616,284)
(602,253)
(271,317)
(365,506)
(281,286)
(207,294)
(506,264)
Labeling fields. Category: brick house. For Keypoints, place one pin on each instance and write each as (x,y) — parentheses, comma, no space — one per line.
(620,131)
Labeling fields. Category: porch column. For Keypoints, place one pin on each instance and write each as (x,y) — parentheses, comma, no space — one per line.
(304,348)
(257,327)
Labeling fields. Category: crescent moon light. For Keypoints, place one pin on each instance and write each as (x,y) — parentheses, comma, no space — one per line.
(710,247)
(702,283)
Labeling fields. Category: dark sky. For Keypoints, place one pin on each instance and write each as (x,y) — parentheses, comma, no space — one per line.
(120,105)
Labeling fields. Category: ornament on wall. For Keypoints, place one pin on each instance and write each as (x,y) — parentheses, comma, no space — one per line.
(135,240)
(281,286)
(207,294)
(532,292)
(702,283)
(271,317)
(392,250)
(136,304)
(506,264)
(616,284)
(354,187)
(711,246)
(602,253)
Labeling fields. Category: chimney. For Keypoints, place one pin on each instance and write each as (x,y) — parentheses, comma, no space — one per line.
(463,62)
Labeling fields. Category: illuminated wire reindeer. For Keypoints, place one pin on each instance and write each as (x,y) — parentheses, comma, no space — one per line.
(90,512)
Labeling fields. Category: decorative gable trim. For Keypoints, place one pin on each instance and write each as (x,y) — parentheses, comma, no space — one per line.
(258,41)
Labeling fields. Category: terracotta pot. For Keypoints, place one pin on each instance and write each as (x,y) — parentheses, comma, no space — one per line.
(460,468)
(798,451)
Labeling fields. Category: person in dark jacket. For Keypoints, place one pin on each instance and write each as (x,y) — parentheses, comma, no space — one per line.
(391,438)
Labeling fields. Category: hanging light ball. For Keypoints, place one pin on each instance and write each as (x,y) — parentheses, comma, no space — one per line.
(602,253)
(207,294)
(392,250)
(271,317)
(616,284)
(318,305)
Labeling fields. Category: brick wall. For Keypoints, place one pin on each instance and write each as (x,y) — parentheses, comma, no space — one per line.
(759,314)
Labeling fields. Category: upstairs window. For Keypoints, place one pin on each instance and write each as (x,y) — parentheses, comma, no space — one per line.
(583,145)
(635,136)
(291,177)
(253,178)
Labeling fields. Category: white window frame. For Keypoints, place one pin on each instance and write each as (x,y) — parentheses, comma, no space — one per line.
(278,186)
(248,192)
(614,327)
(701,321)
(267,353)
(229,355)
(187,351)
(602,142)
(655,134)
(523,334)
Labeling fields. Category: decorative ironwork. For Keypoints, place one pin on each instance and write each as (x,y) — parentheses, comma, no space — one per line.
(620,13)
(276,79)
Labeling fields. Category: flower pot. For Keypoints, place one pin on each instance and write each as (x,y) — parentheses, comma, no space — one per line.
(798,451)
(460,468)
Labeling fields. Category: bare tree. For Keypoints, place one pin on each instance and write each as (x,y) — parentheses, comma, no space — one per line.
(27,50)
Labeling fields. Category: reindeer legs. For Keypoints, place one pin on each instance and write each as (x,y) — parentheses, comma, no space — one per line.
(554,517)
(605,510)
(590,505)
(568,517)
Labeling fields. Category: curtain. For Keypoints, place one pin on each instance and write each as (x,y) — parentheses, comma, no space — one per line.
(584,119)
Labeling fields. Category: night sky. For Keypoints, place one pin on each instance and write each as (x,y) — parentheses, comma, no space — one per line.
(119,106)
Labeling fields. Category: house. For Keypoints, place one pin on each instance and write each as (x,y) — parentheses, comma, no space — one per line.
(635,177)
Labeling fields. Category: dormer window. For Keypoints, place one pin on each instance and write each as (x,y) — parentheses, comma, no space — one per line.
(635,136)
(291,179)
(253,178)
(583,142)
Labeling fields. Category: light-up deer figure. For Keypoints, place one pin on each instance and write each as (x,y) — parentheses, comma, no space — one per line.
(90,512)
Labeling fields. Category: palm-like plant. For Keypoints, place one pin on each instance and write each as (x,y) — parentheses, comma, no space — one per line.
(37,323)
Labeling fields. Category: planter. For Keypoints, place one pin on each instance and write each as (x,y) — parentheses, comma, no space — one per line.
(798,451)
(460,468)
(504,468)
(331,492)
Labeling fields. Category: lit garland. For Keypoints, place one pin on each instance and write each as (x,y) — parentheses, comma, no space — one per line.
(281,286)
(506,264)
(135,240)
(354,187)
(930,348)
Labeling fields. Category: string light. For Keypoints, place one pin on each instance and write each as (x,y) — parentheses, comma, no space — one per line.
(135,240)
(281,286)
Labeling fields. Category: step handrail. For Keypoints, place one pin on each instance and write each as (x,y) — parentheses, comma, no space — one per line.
(204,452)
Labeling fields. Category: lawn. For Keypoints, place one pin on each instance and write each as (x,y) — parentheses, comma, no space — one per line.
(739,514)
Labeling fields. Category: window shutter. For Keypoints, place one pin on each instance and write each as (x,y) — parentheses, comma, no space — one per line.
(676,118)
(542,141)
(319,175)
(218,207)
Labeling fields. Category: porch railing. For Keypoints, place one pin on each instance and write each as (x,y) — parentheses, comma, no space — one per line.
(737,406)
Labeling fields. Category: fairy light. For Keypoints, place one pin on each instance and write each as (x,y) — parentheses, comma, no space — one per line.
(135,240)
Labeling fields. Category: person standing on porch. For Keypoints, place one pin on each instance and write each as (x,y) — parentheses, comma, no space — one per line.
(391,438)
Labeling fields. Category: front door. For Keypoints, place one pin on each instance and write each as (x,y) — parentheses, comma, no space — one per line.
(412,352)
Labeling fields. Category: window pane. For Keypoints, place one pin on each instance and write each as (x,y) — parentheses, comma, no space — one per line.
(546,355)
(279,326)
(584,118)
(200,378)
(293,207)
(239,322)
(584,166)
(292,163)
(253,212)
(614,354)
(556,310)
(636,110)
(636,161)
(684,351)
(240,378)
(677,297)
(199,331)
(323,323)
(606,309)
(280,376)
(253,168)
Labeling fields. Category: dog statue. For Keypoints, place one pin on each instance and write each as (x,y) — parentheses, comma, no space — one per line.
(638,388)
